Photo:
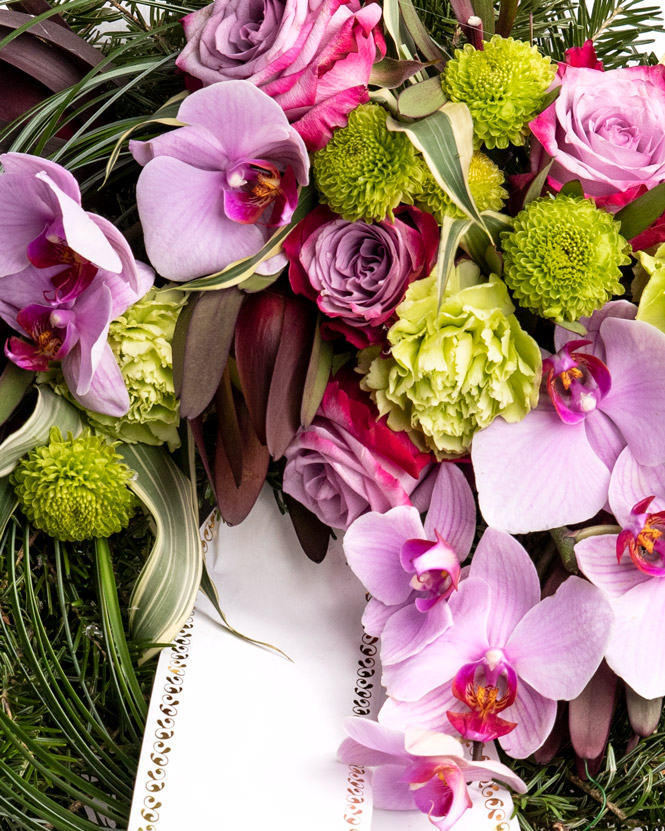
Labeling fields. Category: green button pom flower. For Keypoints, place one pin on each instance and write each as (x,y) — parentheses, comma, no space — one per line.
(485,184)
(503,85)
(562,260)
(452,372)
(365,171)
(76,488)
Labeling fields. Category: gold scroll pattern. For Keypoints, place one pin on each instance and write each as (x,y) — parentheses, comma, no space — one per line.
(168,707)
(365,672)
(165,729)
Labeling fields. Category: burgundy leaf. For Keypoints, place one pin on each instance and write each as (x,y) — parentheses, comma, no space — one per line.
(590,714)
(643,713)
(201,347)
(313,535)
(289,376)
(228,430)
(257,341)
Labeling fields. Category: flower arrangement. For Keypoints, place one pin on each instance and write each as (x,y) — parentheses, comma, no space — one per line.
(404,265)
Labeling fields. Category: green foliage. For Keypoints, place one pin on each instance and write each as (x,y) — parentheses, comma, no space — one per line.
(72,706)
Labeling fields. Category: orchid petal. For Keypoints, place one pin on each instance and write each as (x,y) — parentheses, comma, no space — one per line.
(466,641)
(186,232)
(93,316)
(597,559)
(23,216)
(636,402)
(26,164)
(372,545)
(491,769)
(558,644)
(605,438)
(389,792)
(408,631)
(106,392)
(195,143)
(420,742)
(631,482)
(247,123)
(375,616)
(452,510)
(81,233)
(507,569)
(537,473)
(631,652)
(534,715)
(447,799)
(374,736)
(428,712)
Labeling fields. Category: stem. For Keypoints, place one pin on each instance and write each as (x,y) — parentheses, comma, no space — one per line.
(477,753)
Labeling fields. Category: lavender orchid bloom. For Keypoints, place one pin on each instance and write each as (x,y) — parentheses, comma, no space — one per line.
(73,331)
(629,567)
(212,192)
(505,645)
(419,769)
(44,227)
(553,467)
(410,569)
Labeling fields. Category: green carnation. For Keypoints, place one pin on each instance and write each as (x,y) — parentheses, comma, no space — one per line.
(562,258)
(485,184)
(650,276)
(75,489)
(141,342)
(452,372)
(365,171)
(503,85)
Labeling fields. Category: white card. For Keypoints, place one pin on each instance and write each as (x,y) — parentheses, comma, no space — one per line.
(240,738)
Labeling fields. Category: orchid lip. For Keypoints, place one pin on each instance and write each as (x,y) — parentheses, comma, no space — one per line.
(435,568)
(644,537)
(487,687)
(576,382)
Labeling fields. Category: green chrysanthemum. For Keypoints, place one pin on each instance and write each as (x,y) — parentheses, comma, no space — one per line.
(75,489)
(504,86)
(485,184)
(453,371)
(365,171)
(562,259)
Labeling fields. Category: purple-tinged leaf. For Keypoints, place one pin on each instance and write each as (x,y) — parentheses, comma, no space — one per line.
(199,439)
(257,338)
(643,713)
(391,73)
(228,429)
(421,37)
(313,535)
(201,347)
(13,384)
(235,502)
(422,99)
(289,375)
(507,12)
(590,714)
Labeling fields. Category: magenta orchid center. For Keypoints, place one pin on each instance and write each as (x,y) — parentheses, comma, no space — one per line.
(487,687)
(48,330)
(435,570)
(576,382)
(644,537)
(436,787)
(50,249)
(258,191)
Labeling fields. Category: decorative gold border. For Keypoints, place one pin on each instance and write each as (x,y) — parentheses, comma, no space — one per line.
(165,729)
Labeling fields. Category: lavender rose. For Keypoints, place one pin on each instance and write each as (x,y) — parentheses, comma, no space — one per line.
(313,57)
(347,463)
(606,129)
(357,273)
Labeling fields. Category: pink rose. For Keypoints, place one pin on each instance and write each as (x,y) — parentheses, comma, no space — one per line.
(313,57)
(347,463)
(357,273)
(606,129)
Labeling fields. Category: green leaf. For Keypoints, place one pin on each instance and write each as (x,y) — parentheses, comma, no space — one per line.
(549,99)
(572,188)
(536,187)
(113,158)
(421,37)
(318,373)
(237,273)
(445,139)
(452,230)
(391,19)
(391,73)
(485,11)
(8,503)
(421,99)
(165,591)
(14,381)
(51,410)
(642,212)
(482,251)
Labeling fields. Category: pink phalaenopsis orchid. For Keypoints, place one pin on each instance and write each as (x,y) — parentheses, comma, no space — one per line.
(419,769)
(629,567)
(64,275)
(213,191)
(553,467)
(410,569)
(505,645)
